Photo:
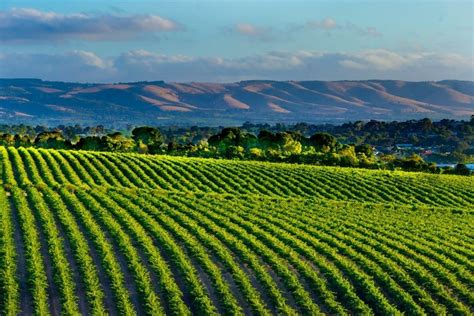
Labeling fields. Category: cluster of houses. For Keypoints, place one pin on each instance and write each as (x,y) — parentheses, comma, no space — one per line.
(404,150)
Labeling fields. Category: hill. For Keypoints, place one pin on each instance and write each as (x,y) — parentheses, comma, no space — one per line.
(161,103)
(88,232)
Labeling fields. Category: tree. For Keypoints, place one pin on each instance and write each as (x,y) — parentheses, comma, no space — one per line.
(256,152)
(21,140)
(53,139)
(425,124)
(267,139)
(234,152)
(232,137)
(116,142)
(462,169)
(292,147)
(7,139)
(413,163)
(321,140)
(348,157)
(90,143)
(365,149)
(150,137)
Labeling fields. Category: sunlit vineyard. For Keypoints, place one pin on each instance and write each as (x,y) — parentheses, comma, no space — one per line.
(108,233)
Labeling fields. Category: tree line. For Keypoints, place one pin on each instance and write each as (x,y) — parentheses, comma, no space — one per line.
(321,148)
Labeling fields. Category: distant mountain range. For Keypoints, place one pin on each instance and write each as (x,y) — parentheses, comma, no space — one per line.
(35,101)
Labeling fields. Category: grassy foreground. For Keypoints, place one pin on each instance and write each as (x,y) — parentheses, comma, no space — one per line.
(95,233)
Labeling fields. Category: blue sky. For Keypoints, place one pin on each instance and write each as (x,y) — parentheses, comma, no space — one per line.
(235,40)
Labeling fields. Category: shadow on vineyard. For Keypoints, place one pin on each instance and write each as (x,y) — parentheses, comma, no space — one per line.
(130,233)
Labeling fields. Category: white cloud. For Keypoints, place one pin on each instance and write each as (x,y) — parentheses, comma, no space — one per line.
(247,29)
(369,31)
(26,25)
(351,64)
(330,24)
(252,31)
(325,24)
(77,65)
(382,59)
(141,65)
(90,59)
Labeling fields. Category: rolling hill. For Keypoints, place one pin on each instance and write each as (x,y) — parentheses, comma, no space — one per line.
(162,103)
(107,233)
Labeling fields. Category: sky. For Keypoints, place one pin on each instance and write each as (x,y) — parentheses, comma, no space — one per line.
(229,40)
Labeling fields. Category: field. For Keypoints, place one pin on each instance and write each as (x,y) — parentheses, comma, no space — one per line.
(97,233)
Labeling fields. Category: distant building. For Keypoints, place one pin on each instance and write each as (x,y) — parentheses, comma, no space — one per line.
(404,146)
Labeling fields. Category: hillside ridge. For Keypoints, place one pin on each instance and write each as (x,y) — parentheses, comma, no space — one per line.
(161,103)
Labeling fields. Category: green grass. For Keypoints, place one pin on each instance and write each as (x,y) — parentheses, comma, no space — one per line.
(115,233)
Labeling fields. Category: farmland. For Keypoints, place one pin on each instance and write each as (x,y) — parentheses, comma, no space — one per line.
(96,233)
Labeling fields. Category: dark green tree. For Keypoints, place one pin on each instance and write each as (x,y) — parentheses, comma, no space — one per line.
(365,149)
(149,136)
(320,140)
(117,142)
(232,136)
(461,169)
(90,143)
(52,139)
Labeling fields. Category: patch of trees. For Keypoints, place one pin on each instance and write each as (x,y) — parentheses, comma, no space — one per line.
(71,133)
(455,137)
(293,146)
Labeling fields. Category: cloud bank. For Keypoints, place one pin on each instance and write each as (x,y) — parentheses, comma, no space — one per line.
(330,24)
(141,65)
(327,25)
(30,26)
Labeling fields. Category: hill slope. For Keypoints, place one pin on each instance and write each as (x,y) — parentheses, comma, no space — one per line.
(86,232)
(158,102)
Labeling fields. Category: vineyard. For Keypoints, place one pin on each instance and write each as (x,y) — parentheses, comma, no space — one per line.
(109,233)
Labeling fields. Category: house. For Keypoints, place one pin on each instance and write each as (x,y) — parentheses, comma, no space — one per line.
(403,146)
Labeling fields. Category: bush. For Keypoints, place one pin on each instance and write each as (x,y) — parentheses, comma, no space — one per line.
(462,169)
